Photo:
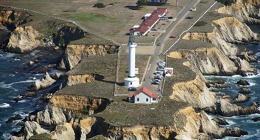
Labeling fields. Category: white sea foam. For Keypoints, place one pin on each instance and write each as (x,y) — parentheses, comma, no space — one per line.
(4,105)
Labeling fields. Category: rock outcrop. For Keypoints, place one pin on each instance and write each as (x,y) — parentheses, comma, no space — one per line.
(45,82)
(79,79)
(245,10)
(11,19)
(194,92)
(74,102)
(23,39)
(51,116)
(241,98)
(74,53)
(211,61)
(226,108)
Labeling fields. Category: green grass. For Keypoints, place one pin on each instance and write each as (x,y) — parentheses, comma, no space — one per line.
(92,17)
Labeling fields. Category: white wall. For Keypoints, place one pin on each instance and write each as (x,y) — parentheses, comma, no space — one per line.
(142,98)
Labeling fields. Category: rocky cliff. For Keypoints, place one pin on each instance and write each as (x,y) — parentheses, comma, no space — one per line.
(187,124)
(11,19)
(74,53)
(222,59)
(226,33)
(245,10)
(23,39)
(74,102)
(78,79)
(194,92)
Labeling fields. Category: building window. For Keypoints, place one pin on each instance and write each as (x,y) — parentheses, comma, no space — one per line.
(146,99)
(137,99)
(154,99)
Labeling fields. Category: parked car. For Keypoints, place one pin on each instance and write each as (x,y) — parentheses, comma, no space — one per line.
(161,63)
(172,37)
(160,68)
(170,17)
(159,44)
(153,29)
(163,18)
(156,82)
(158,77)
(131,89)
(189,17)
(158,73)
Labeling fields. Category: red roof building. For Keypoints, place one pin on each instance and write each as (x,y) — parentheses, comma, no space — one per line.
(143,95)
(149,22)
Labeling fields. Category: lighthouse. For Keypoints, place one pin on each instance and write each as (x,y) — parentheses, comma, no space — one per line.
(131,80)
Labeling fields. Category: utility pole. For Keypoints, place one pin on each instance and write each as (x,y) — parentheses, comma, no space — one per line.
(176,3)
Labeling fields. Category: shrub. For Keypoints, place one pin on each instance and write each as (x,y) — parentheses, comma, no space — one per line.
(226,2)
(99,5)
(200,23)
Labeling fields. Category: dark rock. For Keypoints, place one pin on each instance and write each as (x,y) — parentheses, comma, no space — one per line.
(220,121)
(235,132)
(245,90)
(21,123)
(226,108)
(241,98)
(16,117)
(243,82)
(256,119)
(17,99)
(216,84)
(28,94)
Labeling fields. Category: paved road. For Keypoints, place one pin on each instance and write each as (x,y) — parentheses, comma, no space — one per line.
(155,58)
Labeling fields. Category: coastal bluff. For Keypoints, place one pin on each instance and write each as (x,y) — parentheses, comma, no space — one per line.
(181,113)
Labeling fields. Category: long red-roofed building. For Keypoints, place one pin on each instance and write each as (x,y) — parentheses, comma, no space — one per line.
(149,22)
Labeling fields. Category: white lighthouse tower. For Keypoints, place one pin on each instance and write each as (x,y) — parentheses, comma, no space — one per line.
(131,80)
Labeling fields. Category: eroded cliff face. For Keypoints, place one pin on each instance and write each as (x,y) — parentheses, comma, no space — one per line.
(226,32)
(74,102)
(187,124)
(74,53)
(222,59)
(194,92)
(23,39)
(245,10)
(79,79)
(11,19)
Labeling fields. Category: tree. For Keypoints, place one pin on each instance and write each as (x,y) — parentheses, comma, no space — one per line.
(226,2)
(141,3)
(99,5)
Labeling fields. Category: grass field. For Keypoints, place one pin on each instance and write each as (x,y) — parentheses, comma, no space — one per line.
(113,21)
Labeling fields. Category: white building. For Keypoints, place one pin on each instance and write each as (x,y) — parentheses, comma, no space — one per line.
(143,96)
(131,80)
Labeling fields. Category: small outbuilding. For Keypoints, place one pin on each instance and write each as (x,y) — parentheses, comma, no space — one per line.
(143,96)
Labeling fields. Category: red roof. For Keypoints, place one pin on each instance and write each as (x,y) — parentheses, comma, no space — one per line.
(142,28)
(144,90)
(161,10)
(149,23)
(154,17)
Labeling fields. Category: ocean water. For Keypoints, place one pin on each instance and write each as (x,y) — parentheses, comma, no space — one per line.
(13,81)
(244,122)
(15,76)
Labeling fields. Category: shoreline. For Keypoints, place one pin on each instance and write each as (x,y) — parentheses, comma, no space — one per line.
(94,106)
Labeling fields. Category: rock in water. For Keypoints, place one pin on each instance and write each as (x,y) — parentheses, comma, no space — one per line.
(220,121)
(241,98)
(256,119)
(43,83)
(245,90)
(243,82)
(16,117)
(32,128)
